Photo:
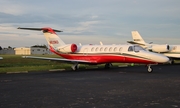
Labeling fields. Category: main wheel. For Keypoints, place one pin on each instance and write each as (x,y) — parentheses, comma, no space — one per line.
(75,67)
(171,61)
(108,65)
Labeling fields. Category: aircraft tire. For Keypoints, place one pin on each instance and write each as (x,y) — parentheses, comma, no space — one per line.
(150,69)
(171,61)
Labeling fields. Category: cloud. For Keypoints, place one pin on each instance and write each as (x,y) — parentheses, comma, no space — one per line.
(89,21)
(166,40)
(11,36)
(82,27)
(9,7)
(94,16)
(83,39)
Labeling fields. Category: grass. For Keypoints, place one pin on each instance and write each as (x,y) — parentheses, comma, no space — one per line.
(15,63)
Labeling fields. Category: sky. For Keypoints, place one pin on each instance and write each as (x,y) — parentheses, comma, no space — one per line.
(89,21)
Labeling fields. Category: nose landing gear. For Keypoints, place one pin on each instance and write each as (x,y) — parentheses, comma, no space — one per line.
(149,68)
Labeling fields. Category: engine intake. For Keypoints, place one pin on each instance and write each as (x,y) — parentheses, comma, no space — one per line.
(160,48)
(69,48)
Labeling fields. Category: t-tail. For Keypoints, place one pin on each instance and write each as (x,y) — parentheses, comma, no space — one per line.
(55,43)
(137,37)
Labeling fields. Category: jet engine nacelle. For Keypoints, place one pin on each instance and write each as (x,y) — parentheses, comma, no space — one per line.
(160,48)
(69,48)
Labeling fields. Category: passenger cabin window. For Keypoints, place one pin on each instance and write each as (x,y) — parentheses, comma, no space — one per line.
(115,49)
(92,49)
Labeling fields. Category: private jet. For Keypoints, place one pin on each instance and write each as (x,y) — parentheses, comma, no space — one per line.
(96,54)
(171,51)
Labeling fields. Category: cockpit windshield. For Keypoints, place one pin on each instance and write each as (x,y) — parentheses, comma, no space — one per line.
(135,48)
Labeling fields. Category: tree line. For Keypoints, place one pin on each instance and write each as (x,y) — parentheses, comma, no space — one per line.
(39,46)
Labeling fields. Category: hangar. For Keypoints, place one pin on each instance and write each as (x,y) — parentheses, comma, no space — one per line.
(31,51)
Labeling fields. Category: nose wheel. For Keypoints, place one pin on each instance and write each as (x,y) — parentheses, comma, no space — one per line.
(150,69)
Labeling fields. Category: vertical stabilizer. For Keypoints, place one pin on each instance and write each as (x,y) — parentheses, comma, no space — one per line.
(137,37)
(51,37)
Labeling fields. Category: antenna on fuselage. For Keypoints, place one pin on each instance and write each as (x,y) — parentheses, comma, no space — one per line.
(101,43)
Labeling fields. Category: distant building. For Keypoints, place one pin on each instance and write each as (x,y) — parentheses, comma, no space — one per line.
(9,51)
(31,51)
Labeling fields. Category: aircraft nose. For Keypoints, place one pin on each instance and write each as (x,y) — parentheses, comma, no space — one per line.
(165,59)
(156,57)
(162,59)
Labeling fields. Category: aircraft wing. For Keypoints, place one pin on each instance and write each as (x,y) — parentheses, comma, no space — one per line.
(58,59)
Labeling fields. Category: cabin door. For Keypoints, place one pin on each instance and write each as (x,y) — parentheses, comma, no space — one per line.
(85,51)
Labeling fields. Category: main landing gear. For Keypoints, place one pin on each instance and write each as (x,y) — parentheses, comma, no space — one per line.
(75,66)
(171,61)
(107,65)
(149,68)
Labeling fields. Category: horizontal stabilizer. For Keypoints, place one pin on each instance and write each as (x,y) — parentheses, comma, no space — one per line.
(133,42)
(39,29)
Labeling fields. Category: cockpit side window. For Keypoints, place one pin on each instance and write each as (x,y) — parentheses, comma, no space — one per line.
(130,48)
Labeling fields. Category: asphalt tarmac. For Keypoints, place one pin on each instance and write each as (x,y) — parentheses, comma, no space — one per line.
(123,87)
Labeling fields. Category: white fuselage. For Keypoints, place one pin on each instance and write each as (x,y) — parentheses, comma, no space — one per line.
(114,53)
